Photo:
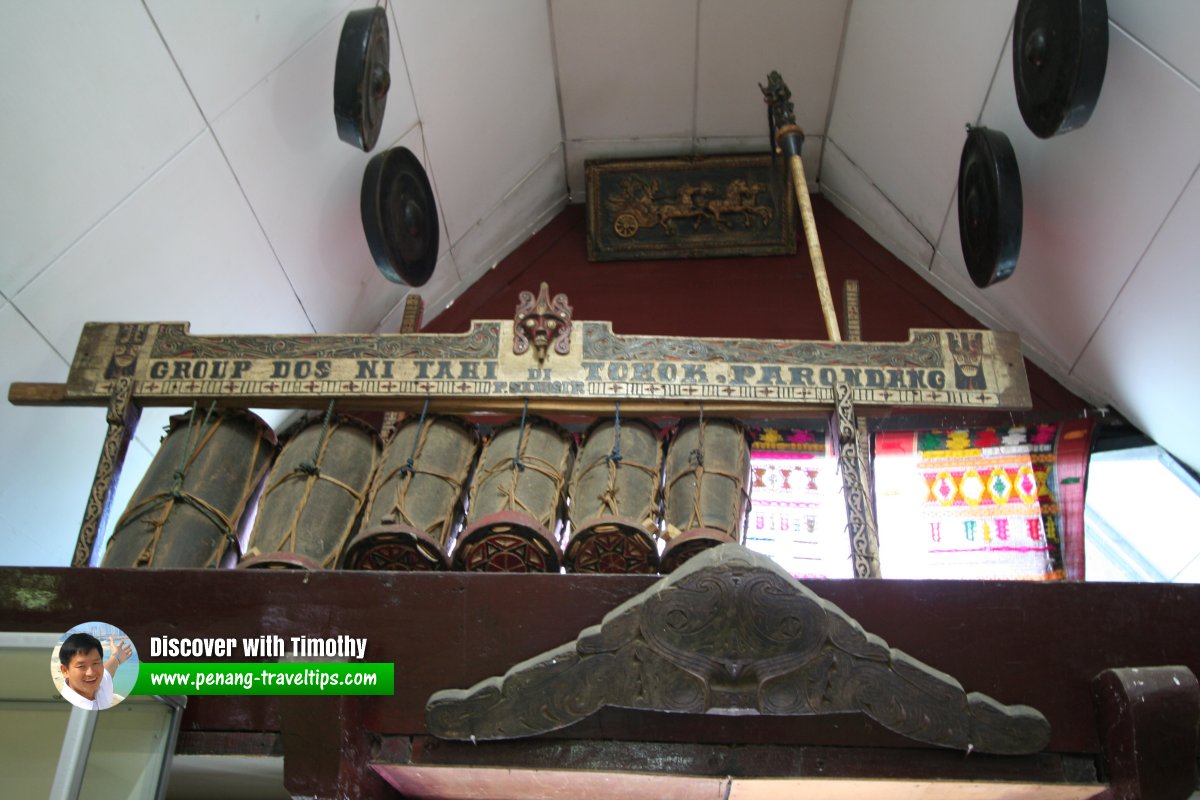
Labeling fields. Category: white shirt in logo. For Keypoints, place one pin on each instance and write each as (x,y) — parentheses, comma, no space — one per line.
(104,694)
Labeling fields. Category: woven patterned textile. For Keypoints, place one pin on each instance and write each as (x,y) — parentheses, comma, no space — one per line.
(975,503)
(797,516)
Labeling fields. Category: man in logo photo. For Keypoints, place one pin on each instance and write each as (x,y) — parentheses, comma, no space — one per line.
(87,678)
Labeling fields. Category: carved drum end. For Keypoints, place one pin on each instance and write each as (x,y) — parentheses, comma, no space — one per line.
(690,544)
(507,541)
(612,545)
(394,548)
(280,560)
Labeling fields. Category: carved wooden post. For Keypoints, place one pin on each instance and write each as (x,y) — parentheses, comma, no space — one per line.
(1147,718)
(123,415)
(864,533)
(327,748)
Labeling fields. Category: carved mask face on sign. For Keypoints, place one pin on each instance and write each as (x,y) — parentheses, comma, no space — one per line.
(541,322)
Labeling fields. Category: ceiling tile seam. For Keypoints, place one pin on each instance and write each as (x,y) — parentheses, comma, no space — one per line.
(425,159)
(378,327)
(563,196)
(1030,349)
(558,98)
(1178,72)
(696,82)
(1136,264)
(1005,48)
(66,361)
(412,90)
(100,220)
(232,172)
(628,139)
(829,140)
(1184,568)
(516,186)
(320,30)
(833,89)
(1131,557)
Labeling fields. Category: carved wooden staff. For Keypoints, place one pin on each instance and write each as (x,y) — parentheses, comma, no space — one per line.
(787,139)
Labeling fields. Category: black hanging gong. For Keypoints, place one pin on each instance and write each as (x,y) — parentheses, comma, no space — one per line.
(989,206)
(400,217)
(1060,50)
(361,80)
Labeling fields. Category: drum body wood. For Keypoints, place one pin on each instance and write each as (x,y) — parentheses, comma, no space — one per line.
(517,499)
(186,510)
(616,488)
(416,501)
(313,496)
(707,488)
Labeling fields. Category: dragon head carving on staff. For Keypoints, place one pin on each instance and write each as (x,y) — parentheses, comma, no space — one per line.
(541,321)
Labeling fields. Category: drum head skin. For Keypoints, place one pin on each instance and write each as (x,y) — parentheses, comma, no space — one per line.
(1060,52)
(361,79)
(989,206)
(399,217)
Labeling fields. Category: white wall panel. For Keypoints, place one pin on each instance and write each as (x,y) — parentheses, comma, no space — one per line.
(483,79)
(92,106)
(853,192)
(1169,28)
(913,75)
(1093,197)
(529,206)
(741,42)
(626,68)
(183,247)
(1145,349)
(304,183)
(50,457)
(225,47)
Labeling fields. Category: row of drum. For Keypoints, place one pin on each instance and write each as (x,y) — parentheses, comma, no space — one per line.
(625,498)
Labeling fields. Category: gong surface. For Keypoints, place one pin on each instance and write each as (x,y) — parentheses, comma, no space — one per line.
(989,206)
(1060,51)
(400,217)
(361,79)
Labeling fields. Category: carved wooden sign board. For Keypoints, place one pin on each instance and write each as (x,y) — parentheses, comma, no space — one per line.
(167,365)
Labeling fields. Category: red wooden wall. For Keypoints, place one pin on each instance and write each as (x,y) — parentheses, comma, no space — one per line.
(770,297)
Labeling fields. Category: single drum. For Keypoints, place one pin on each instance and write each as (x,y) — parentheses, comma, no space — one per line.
(517,500)
(314,495)
(186,510)
(707,491)
(616,490)
(416,502)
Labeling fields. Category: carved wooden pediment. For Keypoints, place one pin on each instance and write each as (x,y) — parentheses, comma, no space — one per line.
(730,632)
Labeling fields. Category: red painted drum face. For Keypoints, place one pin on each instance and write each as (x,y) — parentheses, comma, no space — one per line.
(616,489)
(313,495)
(707,488)
(517,500)
(188,507)
(417,498)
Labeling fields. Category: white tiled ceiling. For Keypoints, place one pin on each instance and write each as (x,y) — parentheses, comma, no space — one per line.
(304,183)
(1089,216)
(913,75)
(176,160)
(255,37)
(90,113)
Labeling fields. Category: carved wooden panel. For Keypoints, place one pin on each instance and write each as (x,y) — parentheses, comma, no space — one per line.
(732,633)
